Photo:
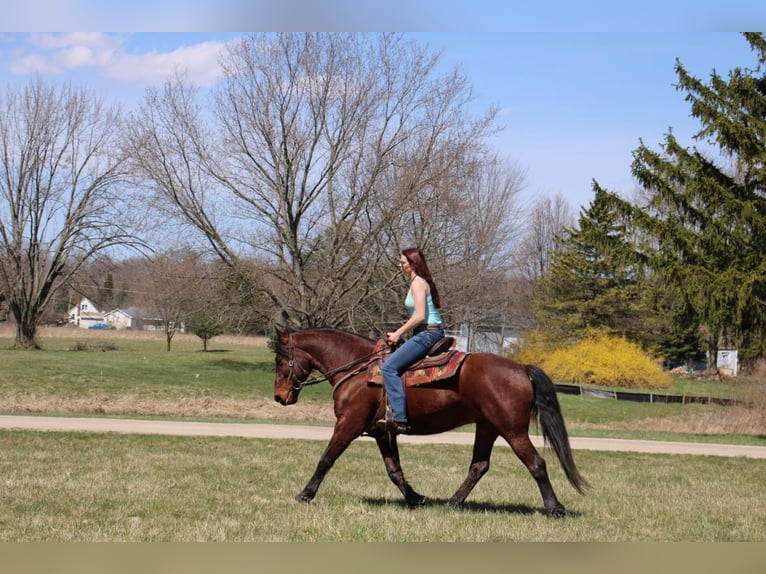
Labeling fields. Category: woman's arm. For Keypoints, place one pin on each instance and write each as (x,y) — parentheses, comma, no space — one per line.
(419,289)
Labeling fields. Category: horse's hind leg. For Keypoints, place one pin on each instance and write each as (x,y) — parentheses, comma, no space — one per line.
(389,450)
(527,453)
(483,442)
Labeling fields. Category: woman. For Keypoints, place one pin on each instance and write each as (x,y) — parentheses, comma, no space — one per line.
(425,321)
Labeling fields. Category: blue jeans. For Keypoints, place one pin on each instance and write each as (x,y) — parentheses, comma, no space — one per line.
(414,349)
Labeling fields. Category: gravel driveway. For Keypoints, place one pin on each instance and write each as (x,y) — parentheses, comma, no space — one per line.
(275,431)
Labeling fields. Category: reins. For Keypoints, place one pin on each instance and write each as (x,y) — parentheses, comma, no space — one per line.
(298,384)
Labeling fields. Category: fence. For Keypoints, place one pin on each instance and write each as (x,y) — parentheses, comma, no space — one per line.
(644,397)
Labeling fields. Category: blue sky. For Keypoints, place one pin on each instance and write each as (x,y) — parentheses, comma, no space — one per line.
(574,104)
(401,15)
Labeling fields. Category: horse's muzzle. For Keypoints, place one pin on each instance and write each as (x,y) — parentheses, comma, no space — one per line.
(290,399)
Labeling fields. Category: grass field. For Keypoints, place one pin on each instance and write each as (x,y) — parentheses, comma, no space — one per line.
(109,373)
(65,487)
(102,487)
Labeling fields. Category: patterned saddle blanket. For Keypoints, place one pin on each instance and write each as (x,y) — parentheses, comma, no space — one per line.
(441,363)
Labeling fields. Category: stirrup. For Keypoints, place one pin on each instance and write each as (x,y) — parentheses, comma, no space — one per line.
(388,424)
(392,427)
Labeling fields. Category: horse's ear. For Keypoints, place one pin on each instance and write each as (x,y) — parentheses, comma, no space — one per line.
(282,336)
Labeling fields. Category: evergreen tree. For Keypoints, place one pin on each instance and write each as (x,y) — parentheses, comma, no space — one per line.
(106,293)
(708,221)
(594,279)
(206,326)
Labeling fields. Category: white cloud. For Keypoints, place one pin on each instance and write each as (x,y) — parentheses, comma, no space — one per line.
(32,64)
(200,61)
(106,55)
(95,40)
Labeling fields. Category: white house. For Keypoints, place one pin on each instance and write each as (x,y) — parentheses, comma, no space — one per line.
(85,314)
(137,318)
(486,339)
(121,319)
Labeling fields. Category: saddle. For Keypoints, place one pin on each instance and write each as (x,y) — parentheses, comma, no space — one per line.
(441,362)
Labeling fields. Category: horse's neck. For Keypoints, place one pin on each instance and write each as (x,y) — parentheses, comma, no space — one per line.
(333,350)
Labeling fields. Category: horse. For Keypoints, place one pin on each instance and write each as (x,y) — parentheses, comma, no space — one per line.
(498,394)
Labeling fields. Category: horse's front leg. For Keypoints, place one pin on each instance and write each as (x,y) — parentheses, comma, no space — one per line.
(342,436)
(389,450)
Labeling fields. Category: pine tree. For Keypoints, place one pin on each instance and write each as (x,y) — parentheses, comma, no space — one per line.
(594,280)
(106,293)
(708,221)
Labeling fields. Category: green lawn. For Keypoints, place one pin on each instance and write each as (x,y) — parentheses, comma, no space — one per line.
(69,487)
(121,374)
(63,487)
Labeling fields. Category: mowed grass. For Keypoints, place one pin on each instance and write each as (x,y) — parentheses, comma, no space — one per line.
(108,487)
(81,362)
(80,371)
(64,487)
(108,373)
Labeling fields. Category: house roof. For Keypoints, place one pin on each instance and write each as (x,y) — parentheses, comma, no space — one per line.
(135,313)
(118,311)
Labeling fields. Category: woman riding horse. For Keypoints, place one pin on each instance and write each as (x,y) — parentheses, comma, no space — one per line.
(497,394)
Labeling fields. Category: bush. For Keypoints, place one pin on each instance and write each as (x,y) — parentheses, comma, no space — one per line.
(599,359)
(205,327)
(533,348)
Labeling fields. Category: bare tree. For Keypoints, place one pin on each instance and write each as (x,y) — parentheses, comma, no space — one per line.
(546,220)
(477,243)
(176,283)
(313,148)
(60,195)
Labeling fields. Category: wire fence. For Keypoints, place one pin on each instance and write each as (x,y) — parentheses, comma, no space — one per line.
(645,397)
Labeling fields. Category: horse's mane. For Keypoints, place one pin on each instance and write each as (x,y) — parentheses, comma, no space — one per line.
(280,349)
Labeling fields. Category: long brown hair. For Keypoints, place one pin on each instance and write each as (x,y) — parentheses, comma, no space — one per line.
(418,263)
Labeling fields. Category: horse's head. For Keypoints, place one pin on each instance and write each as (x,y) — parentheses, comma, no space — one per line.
(293,366)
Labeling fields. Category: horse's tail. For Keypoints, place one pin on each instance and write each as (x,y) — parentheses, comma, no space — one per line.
(546,408)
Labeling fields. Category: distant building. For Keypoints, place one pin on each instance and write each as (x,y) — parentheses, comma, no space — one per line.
(488,339)
(120,319)
(85,314)
(138,318)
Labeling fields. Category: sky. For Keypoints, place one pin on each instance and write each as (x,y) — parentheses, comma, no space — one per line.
(575,106)
(575,96)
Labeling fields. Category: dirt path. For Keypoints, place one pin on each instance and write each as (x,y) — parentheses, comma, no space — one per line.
(276,431)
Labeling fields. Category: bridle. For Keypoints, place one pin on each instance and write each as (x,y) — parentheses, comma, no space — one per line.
(298,384)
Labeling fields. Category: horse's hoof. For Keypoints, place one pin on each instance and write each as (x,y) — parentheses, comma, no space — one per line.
(454,504)
(558,512)
(304,498)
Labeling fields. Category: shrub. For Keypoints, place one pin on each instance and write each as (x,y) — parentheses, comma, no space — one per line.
(533,348)
(598,359)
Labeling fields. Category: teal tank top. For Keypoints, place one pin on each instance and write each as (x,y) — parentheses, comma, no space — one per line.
(433,316)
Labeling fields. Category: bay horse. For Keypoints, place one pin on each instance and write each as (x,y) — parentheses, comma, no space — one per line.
(499,395)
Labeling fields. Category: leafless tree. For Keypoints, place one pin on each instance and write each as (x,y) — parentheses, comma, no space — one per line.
(177,284)
(477,243)
(61,199)
(311,154)
(546,220)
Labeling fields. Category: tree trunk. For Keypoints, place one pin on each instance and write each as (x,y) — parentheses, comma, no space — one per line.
(26,329)
(712,356)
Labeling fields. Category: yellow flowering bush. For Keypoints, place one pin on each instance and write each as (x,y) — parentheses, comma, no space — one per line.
(599,359)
